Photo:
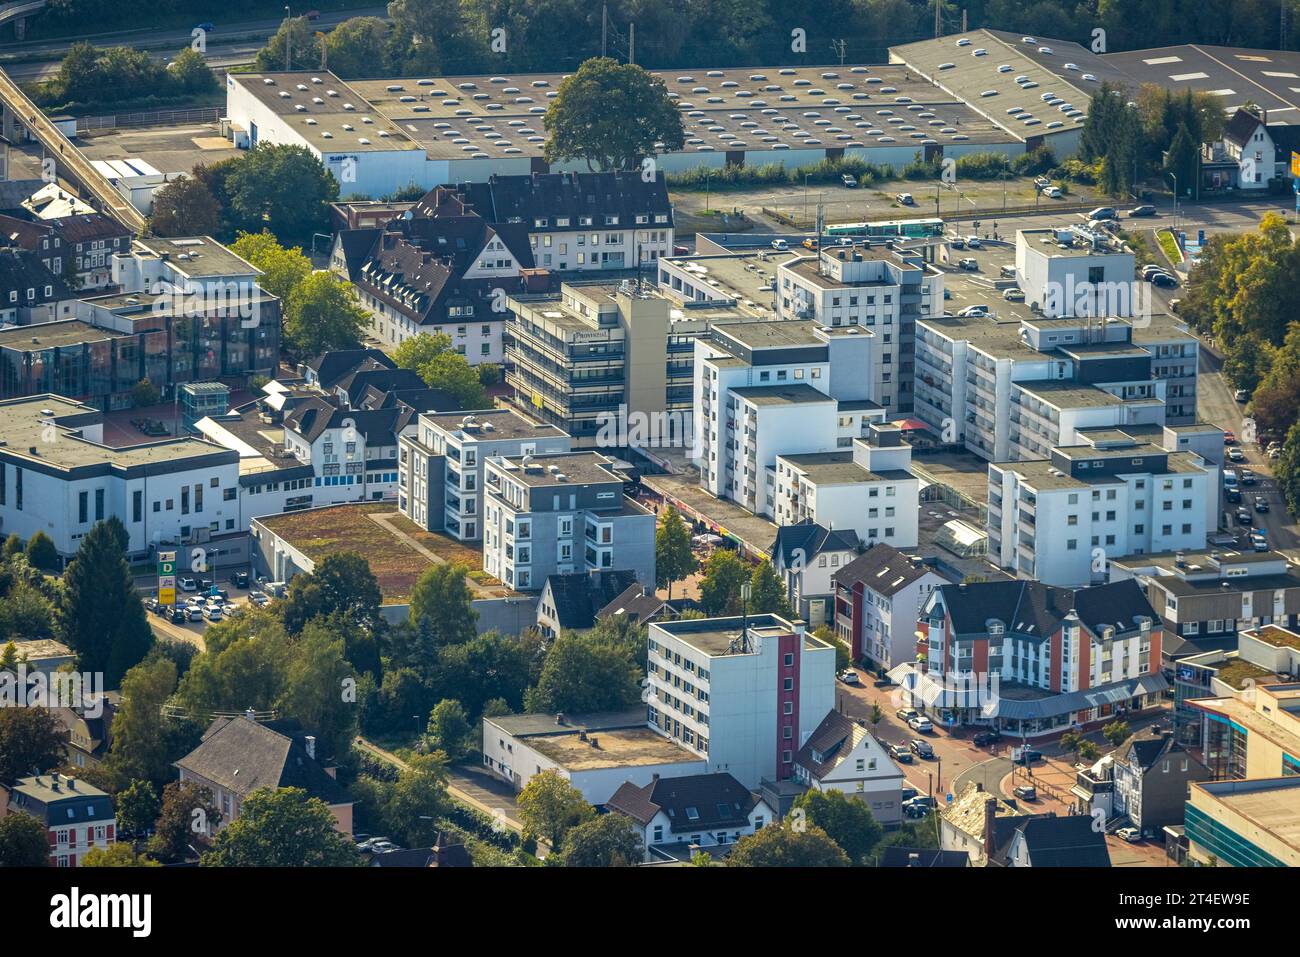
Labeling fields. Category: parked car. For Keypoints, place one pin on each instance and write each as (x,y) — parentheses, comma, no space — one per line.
(1247,476)
(1236,455)
(150,604)
(680,250)
(899,752)
(1244,517)
(1229,437)
(178,616)
(1102,212)
(810,243)
(1026,792)
(906,714)
(849,181)
(973,312)
(848,676)
(780,244)
(924,800)
(1241,395)
(907,793)
(1025,755)
(956,242)
(1274,453)
(916,810)
(1258,542)
(187,584)
(1232,495)
(921,724)
(1053,192)
(983,738)
(906,199)
(1130,834)
(970,265)
(921,748)
(239,579)
(212,613)
(973,242)
(1141,211)
(1261,503)
(194,613)
(1164,280)
(1014,295)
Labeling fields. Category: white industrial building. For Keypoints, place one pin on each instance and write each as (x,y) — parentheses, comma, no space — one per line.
(743,694)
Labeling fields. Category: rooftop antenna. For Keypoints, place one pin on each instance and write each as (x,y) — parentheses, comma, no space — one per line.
(746,589)
(604,29)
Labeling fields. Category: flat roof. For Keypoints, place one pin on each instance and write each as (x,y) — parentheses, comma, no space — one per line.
(578,468)
(618,748)
(717,637)
(1000,340)
(1268,78)
(205,258)
(838,468)
(1268,803)
(1276,636)
(1069,395)
(777,395)
(505,424)
(55,335)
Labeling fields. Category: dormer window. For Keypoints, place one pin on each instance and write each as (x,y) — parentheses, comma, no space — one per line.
(540,223)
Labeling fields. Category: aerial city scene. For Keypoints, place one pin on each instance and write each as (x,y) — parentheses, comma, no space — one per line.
(492,434)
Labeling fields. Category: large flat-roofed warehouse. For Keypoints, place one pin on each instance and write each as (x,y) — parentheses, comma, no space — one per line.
(377,136)
(1268,78)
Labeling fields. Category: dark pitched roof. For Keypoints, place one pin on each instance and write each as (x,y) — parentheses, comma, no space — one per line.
(577,597)
(14,191)
(1067,841)
(810,540)
(1034,610)
(1241,127)
(355,245)
(636,603)
(20,270)
(882,568)
(693,802)
(831,740)
(332,366)
(355,383)
(549,196)
(23,233)
(421,399)
(442,854)
(925,857)
(88,227)
(314,414)
(1144,749)
(241,756)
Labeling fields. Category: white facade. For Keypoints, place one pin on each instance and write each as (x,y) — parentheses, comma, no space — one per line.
(746,707)
(1063,273)
(864,771)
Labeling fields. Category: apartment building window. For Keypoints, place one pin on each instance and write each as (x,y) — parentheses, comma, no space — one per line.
(83,506)
(99,504)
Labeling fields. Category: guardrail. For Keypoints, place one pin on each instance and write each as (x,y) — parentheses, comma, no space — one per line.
(208,114)
(61,150)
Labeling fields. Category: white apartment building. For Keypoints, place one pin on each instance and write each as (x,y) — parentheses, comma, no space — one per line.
(1078,271)
(878,599)
(769,388)
(440,466)
(559,513)
(870,489)
(1110,498)
(877,288)
(745,694)
(57,477)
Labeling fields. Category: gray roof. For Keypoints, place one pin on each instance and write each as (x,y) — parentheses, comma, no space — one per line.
(694,802)
(528,725)
(810,540)
(1116,692)
(882,568)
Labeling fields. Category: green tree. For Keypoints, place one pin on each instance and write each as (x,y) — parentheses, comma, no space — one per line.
(341,584)
(585,674)
(144,745)
(116,855)
(418,800)
(1116,732)
(845,819)
(550,806)
(767,591)
(324,314)
(101,617)
(611,115)
(1088,751)
(1181,158)
(783,846)
(13,545)
(189,817)
(283,270)
(609,840)
(449,729)
(144,393)
(674,559)
(442,605)
(315,677)
(26,613)
(442,367)
(31,741)
(137,807)
(724,573)
(185,207)
(41,553)
(282,828)
(282,188)
(24,841)
(292,47)
(488,668)
(189,73)
(357,47)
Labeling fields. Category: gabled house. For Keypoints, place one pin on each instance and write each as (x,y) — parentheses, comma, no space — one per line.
(90,728)
(238,756)
(923,857)
(878,599)
(697,810)
(977,823)
(570,602)
(639,603)
(806,556)
(1049,841)
(1244,157)
(841,755)
(31,293)
(1152,775)
(444,853)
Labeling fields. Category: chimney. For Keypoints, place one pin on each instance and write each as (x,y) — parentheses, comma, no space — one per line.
(990,823)
(309,743)
(250,714)
(72,784)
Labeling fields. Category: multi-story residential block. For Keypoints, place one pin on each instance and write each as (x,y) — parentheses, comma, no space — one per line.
(675,815)
(840,755)
(238,756)
(1076,271)
(1244,823)
(80,246)
(806,555)
(562,512)
(745,694)
(1206,597)
(1032,659)
(593,361)
(870,489)
(878,600)
(1013,389)
(1109,498)
(76,815)
(57,477)
(598,754)
(764,389)
(881,289)
(440,466)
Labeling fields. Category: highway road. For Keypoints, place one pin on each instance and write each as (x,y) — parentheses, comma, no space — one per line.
(229,44)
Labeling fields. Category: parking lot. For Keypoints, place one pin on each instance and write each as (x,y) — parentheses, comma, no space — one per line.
(231,600)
